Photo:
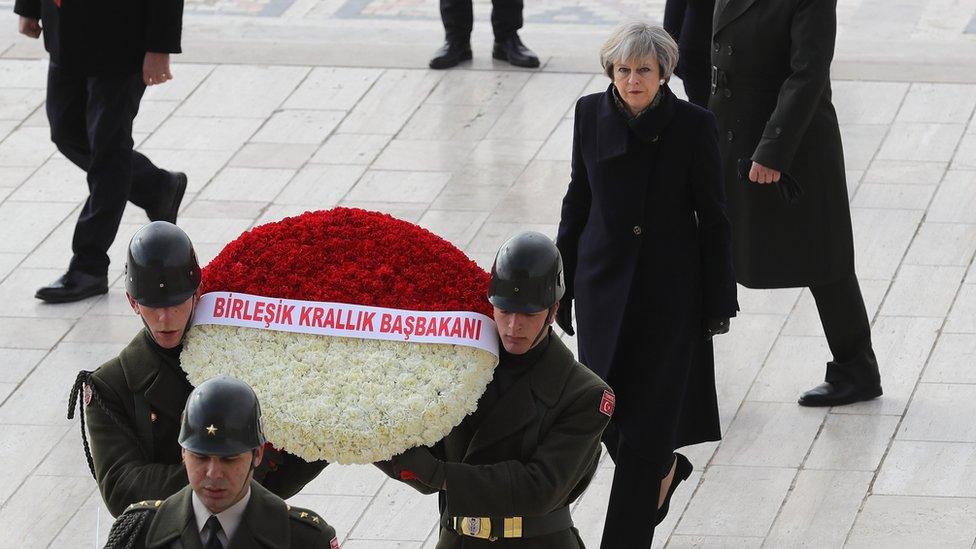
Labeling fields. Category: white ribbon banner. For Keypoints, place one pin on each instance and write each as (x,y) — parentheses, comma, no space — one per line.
(344,320)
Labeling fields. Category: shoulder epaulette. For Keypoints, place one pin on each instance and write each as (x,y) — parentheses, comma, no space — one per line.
(307,517)
(145,505)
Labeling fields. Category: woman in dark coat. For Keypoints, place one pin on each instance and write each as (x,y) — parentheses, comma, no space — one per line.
(772,100)
(647,250)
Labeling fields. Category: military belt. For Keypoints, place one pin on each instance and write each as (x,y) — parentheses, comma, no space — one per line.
(494,528)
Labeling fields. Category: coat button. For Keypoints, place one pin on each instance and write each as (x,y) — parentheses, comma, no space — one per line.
(730,136)
(779,130)
(729,49)
(728,93)
(717,47)
(637,230)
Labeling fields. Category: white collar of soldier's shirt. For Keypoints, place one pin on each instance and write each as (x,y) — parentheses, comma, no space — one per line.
(229,518)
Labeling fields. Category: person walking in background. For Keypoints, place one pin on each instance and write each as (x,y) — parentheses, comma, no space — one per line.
(103,55)
(690,23)
(780,139)
(506,20)
(648,257)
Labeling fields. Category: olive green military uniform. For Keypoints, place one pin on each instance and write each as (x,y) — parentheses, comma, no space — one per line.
(267,523)
(524,456)
(143,391)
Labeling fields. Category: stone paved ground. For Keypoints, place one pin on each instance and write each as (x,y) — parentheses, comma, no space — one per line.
(284,105)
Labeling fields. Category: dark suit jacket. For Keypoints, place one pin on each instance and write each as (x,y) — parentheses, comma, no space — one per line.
(774,106)
(267,523)
(646,247)
(535,451)
(102,37)
(123,469)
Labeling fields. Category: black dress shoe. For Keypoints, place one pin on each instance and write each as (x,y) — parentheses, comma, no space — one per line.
(839,393)
(73,286)
(514,51)
(450,54)
(169,206)
(682,470)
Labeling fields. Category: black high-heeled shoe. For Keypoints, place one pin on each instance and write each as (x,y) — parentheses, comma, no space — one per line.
(682,470)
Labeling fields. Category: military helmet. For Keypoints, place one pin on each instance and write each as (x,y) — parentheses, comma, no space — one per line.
(161,268)
(222,418)
(527,275)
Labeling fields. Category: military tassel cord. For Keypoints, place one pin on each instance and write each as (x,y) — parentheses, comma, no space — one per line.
(127,529)
(77,399)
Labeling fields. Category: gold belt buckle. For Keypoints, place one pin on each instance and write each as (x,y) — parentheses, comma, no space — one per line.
(476,527)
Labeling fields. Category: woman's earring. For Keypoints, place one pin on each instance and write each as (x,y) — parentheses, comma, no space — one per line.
(662,81)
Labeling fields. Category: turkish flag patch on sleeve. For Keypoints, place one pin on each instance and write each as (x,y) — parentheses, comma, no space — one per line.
(607,403)
(334,544)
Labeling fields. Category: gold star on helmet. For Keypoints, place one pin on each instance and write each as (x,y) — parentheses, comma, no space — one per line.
(211,430)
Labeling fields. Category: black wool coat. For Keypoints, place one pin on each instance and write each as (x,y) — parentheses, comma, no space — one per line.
(690,23)
(105,37)
(646,247)
(773,105)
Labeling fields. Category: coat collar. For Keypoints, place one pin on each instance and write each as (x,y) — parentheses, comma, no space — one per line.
(157,377)
(732,10)
(516,408)
(264,524)
(613,130)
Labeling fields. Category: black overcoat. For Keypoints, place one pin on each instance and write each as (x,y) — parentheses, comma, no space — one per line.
(646,246)
(690,23)
(773,105)
(104,37)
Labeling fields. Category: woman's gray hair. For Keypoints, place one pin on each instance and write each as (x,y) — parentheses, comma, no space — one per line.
(636,40)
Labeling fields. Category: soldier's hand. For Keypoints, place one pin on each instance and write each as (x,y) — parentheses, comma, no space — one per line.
(29,27)
(418,463)
(155,68)
(564,316)
(716,326)
(761,174)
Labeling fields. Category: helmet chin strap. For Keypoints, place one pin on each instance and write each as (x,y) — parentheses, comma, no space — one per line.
(550,316)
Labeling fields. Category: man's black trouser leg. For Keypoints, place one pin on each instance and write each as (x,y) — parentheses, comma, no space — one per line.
(458,19)
(632,509)
(506,18)
(91,124)
(848,330)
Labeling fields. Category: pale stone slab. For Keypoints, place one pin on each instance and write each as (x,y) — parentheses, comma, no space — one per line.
(45,392)
(450,122)
(537,195)
(200,166)
(57,180)
(23,73)
(945,469)
(739,355)
(67,458)
(275,212)
(505,151)
(244,91)
(17,291)
(935,411)
(215,231)
(893,196)
(715,542)
(332,88)
(589,512)
(901,345)
(399,186)
(794,365)
(194,133)
(861,143)
(955,202)
(390,102)
(778,301)
(771,434)
(13,176)
(493,234)
(851,442)
(398,512)
(348,148)
(104,329)
(943,244)
(860,102)
(805,319)
(256,184)
(32,333)
(374,544)
(273,155)
(152,114)
(346,480)
(19,103)
(905,172)
(880,240)
(19,459)
(28,147)
(537,108)
(820,509)
(486,174)
(953,360)
(91,523)
(898,521)
(223,209)
(341,512)
(757,492)
(942,103)
(923,291)
(965,158)
(299,126)
(559,146)
(58,497)
(407,211)
(17,363)
(31,222)
(459,196)
(320,186)
(457,227)
(488,88)
(8,262)
(186,78)
(921,141)
(436,156)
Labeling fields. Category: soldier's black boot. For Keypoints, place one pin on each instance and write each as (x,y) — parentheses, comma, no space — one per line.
(512,49)
(450,54)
